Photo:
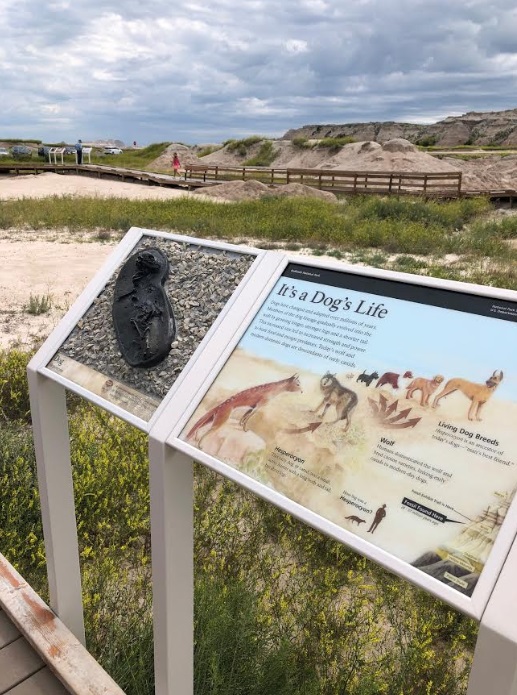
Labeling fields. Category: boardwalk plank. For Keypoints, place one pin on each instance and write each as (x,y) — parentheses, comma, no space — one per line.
(8,631)
(17,662)
(41,683)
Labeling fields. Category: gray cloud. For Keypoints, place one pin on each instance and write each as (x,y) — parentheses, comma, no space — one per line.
(198,72)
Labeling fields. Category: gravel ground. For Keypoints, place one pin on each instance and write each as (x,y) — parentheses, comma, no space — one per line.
(200,283)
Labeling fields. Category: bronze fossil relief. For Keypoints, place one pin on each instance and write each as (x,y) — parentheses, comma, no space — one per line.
(142,314)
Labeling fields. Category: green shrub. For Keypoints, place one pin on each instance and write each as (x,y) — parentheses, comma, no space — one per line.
(208,150)
(110,471)
(427,141)
(301,142)
(241,147)
(39,304)
(264,157)
(14,388)
(117,601)
(335,143)
(20,518)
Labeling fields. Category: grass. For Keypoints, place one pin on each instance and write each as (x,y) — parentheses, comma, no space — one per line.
(391,224)
(241,147)
(335,144)
(264,157)
(208,150)
(39,304)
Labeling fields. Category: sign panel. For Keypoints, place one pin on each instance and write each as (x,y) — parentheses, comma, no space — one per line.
(386,407)
(138,334)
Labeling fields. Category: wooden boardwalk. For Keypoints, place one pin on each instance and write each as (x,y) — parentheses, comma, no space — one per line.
(101,171)
(38,654)
(428,185)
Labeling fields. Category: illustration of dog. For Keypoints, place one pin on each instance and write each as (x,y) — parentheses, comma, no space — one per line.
(392,379)
(478,394)
(367,378)
(339,396)
(357,519)
(426,387)
(252,398)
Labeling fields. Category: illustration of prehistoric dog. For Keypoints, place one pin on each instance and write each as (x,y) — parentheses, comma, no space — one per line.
(392,379)
(334,393)
(367,378)
(357,519)
(252,399)
(478,394)
(426,387)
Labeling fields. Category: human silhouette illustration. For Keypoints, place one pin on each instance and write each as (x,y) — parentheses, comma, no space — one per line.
(379,516)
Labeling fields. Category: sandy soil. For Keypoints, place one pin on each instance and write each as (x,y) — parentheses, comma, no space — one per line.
(50,184)
(41,267)
(48,262)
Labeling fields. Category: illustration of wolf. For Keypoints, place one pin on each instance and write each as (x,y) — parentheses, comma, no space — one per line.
(252,399)
(478,394)
(357,519)
(339,396)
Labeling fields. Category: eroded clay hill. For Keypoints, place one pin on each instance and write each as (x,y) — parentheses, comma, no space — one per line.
(473,128)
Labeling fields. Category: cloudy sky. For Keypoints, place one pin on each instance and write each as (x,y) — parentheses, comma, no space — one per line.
(201,71)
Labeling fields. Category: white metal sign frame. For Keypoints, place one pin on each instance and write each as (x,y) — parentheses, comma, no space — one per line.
(171,518)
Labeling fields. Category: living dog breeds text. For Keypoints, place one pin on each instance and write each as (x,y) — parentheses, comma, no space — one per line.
(478,394)
(426,387)
(339,396)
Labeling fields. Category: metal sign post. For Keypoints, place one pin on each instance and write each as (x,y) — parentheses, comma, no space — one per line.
(52,445)
(494,669)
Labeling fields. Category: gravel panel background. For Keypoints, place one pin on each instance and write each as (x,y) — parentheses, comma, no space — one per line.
(200,282)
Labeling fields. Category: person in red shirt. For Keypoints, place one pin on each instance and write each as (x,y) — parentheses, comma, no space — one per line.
(175,163)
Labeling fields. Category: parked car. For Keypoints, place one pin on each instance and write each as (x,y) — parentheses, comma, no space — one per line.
(4,152)
(112,150)
(43,151)
(70,149)
(19,151)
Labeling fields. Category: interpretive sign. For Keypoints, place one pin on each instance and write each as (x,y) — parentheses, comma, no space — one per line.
(138,333)
(383,406)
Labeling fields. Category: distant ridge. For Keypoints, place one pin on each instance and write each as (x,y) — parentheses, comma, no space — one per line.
(473,128)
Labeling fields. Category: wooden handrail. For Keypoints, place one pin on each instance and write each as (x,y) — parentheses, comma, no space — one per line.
(426,183)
